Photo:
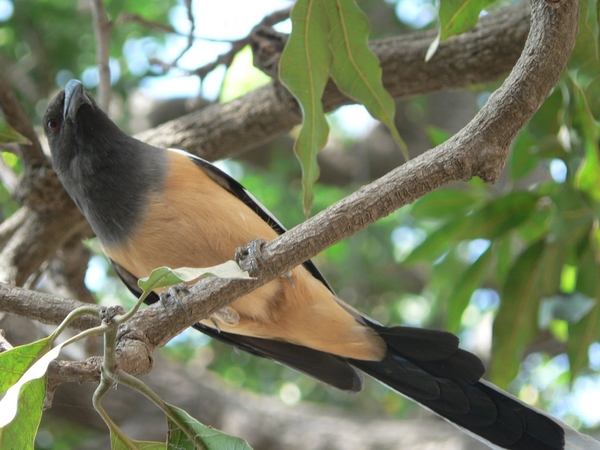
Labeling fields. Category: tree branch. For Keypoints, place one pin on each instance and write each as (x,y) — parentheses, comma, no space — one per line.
(481,55)
(42,307)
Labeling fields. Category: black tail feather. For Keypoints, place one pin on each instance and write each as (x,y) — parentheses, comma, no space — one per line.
(447,382)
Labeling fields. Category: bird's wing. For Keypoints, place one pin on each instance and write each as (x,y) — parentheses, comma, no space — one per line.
(233,186)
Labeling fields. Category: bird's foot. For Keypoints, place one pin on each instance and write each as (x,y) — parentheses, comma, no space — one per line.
(250,256)
(177,292)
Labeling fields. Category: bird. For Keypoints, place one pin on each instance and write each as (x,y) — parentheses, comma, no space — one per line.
(151,207)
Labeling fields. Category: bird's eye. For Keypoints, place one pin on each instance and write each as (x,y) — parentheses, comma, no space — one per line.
(53,124)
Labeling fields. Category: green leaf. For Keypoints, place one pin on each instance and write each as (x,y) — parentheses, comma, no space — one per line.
(585,58)
(445,203)
(21,406)
(456,17)
(464,288)
(21,431)
(587,178)
(522,159)
(8,135)
(538,223)
(436,243)
(504,251)
(587,330)
(356,69)
(573,218)
(165,276)
(499,216)
(569,307)
(551,268)
(304,69)
(205,437)
(515,324)
(592,21)
(15,362)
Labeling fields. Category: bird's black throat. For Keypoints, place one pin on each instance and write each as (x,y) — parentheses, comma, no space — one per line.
(108,173)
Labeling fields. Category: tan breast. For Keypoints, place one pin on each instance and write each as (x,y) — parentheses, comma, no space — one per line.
(195,222)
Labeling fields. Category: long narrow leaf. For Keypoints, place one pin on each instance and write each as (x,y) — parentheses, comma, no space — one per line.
(516,322)
(464,288)
(499,216)
(587,330)
(304,69)
(356,69)
(587,178)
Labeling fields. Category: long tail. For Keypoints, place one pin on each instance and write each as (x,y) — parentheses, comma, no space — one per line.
(428,367)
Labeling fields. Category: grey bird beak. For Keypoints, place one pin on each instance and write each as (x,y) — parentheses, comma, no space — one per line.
(75,96)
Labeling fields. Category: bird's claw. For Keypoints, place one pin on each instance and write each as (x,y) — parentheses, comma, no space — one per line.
(176,292)
(250,256)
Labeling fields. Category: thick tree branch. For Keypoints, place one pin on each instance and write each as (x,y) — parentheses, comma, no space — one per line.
(481,55)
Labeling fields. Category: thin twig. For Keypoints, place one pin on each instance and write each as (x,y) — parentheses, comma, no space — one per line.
(102,29)
(225,58)
(190,36)
(153,25)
